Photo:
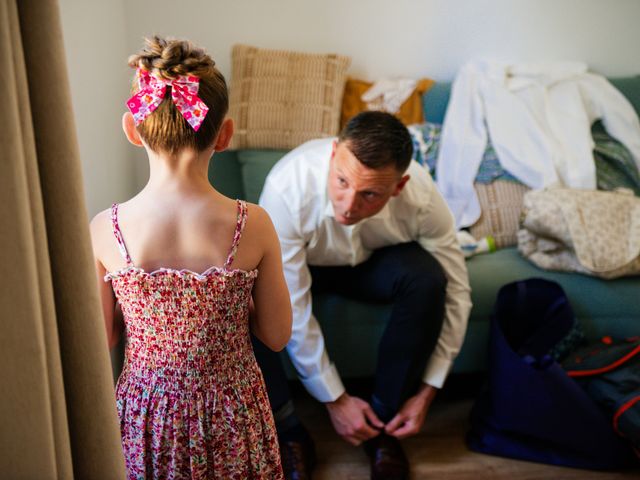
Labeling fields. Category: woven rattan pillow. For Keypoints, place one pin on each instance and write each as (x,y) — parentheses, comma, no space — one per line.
(501,204)
(280,99)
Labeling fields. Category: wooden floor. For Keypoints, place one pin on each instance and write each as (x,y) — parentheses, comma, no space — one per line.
(438,452)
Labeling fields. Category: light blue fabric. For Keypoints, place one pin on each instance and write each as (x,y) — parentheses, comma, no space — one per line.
(426,143)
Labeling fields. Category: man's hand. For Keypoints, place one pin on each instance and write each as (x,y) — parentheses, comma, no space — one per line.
(353,419)
(409,420)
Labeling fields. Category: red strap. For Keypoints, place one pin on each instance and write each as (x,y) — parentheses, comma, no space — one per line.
(118,234)
(626,406)
(608,368)
(242,220)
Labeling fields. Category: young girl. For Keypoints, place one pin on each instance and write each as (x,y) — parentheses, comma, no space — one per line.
(184,262)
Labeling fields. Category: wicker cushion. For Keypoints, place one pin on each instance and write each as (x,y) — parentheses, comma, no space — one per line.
(280,99)
(501,204)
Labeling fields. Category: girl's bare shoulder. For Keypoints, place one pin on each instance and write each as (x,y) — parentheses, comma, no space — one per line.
(258,219)
(100,225)
(259,229)
(101,235)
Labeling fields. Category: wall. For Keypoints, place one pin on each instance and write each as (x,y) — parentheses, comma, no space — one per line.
(407,37)
(95,42)
(384,38)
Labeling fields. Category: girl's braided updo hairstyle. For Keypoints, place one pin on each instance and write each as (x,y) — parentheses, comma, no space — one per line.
(165,130)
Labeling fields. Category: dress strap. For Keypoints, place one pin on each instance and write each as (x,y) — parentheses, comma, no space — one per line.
(242,220)
(116,233)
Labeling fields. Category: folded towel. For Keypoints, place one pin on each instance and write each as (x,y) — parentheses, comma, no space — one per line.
(388,94)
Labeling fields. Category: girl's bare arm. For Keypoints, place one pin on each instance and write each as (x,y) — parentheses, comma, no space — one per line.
(113,323)
(271,320)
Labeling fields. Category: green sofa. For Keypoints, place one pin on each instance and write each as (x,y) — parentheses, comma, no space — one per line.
(604,307)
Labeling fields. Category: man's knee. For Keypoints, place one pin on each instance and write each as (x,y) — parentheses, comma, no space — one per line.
(422,276)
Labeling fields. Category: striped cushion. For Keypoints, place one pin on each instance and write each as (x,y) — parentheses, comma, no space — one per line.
(501,204)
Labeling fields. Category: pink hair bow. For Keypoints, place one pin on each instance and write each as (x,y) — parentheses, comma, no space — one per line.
(184,92)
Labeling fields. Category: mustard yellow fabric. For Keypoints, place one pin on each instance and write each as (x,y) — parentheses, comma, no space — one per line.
(410,112)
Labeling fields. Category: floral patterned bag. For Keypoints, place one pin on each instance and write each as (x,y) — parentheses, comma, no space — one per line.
(586,231)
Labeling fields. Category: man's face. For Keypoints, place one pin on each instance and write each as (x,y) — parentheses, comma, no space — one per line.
(357,191)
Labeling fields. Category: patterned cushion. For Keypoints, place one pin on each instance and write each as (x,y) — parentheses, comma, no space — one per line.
(280,99)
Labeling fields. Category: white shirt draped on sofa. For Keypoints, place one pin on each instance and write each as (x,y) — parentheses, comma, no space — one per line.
(539,118)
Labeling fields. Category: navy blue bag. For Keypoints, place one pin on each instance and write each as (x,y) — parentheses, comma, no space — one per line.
(531,409)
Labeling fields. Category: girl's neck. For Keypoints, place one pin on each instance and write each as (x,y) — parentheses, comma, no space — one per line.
(186,170)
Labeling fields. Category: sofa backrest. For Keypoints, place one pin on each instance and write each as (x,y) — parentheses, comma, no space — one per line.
(241,174)
(435,100)
(630,88)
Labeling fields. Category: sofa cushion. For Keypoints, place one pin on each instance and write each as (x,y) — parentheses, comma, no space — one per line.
(604,307)
(255,165)
(280,99)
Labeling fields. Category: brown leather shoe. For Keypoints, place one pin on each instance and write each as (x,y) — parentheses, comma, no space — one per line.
(298,459)
(388,461)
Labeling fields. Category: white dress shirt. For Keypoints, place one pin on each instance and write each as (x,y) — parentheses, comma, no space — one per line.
(295,196)
(539,117)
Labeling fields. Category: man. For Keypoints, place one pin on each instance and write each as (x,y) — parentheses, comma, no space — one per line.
(358,218)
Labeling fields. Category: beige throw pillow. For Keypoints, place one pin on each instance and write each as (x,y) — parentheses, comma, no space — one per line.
(280,99)
(501,204)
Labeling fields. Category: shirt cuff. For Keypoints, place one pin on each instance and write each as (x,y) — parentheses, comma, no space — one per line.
(325,387)
(436,372)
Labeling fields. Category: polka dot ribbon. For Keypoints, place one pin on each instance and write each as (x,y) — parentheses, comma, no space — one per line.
(184,92)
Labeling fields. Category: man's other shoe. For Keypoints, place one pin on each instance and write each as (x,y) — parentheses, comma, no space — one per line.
(387,458)
(298,458)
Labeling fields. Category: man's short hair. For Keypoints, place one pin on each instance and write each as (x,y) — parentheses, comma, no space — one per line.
(378,139)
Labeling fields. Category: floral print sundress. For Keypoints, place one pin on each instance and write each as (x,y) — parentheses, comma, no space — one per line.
(191,398)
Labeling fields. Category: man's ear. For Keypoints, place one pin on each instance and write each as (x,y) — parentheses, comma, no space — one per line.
(400,185)
(224,135)
(129,127)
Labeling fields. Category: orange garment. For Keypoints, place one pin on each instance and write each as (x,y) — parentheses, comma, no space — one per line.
(410,112)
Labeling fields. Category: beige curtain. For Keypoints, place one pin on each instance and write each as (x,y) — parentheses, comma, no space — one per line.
(57,407)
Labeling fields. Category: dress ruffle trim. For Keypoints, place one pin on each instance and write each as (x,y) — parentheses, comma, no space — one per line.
(209,272)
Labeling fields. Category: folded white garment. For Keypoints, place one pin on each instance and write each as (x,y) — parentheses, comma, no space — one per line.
(388,94)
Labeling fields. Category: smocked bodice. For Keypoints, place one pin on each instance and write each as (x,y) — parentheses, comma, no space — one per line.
(185,327)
